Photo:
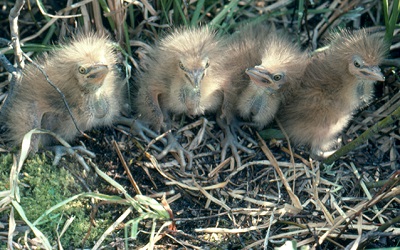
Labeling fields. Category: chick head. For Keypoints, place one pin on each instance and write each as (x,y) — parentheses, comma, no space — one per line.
(282,62)
(362,52)
(192,51)
(90,59)
(264,78)
(193,70)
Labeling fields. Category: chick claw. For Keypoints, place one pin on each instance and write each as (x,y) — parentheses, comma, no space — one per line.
(174,146)
(319,155)
(231,141)
(171,144)
(237,127)
(60,151)
(142,131)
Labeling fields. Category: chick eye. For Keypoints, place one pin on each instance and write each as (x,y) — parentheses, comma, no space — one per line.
(181,66)
(82,70)
(277,77)
(207,64)
(357,64)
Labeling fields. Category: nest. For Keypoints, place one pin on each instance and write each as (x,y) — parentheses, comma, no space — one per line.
(278,196)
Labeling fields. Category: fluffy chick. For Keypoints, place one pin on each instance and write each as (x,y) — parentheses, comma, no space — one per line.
(262,65)
(245,50)
(84,71)
(335,83)
(282,63)
(183,76)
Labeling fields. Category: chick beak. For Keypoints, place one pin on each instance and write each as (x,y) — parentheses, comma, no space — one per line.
(97,73)
(260,76)
(372,73)
(196,77)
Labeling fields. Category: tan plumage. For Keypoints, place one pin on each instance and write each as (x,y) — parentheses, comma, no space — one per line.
(245,50)
(84,71)
(334,84)
(182,77)
(282,62)
(262,62)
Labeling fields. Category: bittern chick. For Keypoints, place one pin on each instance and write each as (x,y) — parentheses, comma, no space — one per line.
(182,76)
(256,95)
(334,85)
(84,71)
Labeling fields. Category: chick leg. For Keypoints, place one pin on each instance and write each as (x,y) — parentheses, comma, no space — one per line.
(140,129)
(60,151)
(231,141)
(174,146)
(171,144)
(244,134)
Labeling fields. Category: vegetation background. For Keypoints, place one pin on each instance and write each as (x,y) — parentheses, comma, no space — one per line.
(278,197)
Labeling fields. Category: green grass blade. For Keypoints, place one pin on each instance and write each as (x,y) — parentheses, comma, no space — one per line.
(209,8)
(385,8)
(35,230)
(229,7)
(165,7)
(49,34)
(105,8)
(112,227)
(300,15)
(178,8)
(195,17)
(52,28)
(127,41)
(58,205)
(391,25)
(131,16)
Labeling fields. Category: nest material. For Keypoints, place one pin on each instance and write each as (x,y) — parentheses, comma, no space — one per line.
(278,193)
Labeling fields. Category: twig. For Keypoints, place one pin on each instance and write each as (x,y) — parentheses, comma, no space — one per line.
(13,19)
(345,6)
(378,184)
(56,17)
(295,199)
(3,59)
(15,72)
(128,172)
(6,64)
(372,235)
(391,62)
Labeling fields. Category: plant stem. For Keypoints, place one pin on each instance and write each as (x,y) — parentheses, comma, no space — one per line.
(390,119)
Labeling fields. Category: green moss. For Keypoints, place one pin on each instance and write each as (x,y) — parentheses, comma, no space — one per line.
(43,186)
(5,167)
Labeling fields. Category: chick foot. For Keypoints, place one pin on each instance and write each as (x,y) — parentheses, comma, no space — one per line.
(231,141)
(174,146)
(237,127)
(143,131)
(171,145)
(319,155)
(61,151)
